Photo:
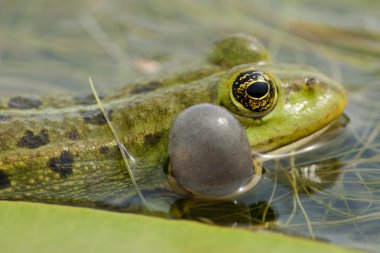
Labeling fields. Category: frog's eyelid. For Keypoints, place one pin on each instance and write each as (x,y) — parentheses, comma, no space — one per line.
(123,150)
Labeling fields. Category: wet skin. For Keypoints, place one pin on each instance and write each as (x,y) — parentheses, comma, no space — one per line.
(61,150)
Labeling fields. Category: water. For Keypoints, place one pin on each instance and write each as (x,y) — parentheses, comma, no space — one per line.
(50,47)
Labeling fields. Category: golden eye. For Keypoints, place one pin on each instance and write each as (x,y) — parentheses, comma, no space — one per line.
(254,93)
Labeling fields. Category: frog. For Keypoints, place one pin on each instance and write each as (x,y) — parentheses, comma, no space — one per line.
(60,150)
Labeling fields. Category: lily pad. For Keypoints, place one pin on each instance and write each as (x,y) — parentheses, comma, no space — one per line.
(29,227)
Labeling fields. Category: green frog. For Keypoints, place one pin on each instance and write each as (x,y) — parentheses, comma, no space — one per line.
(61,150)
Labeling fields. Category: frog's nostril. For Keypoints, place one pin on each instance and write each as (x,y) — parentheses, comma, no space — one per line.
(310,81)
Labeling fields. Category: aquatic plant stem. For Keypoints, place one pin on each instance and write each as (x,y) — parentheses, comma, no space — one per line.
(123,150)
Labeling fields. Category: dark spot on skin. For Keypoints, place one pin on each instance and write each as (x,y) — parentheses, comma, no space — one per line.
(146,87)
(166,166)
(29,140)
(24,102)
(73,135)
(96,117)
(152,139)
(86,100)
(104,150)
(62,164)
(5,118)
(4,181)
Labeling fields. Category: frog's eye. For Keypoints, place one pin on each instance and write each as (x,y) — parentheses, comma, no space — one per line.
(253,93)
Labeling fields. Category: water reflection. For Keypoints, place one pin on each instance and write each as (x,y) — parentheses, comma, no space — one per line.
(224,213)
(309,178)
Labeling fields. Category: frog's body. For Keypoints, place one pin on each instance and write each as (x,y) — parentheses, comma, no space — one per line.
(62,151)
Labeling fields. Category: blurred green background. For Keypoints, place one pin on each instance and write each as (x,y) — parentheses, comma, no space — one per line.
(53,45)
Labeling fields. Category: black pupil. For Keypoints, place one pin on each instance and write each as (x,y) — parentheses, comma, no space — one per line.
(258,89)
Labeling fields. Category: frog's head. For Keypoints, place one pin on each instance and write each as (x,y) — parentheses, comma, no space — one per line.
(277,104)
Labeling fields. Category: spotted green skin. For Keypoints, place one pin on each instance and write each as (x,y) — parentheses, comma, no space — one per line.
(80,163)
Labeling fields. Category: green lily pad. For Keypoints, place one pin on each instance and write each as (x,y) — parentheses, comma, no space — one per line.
(29,227)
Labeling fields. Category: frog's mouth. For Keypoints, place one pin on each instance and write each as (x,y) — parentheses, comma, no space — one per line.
(307,143)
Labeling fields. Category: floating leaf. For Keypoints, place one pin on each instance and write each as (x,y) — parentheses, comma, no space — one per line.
(29,227)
